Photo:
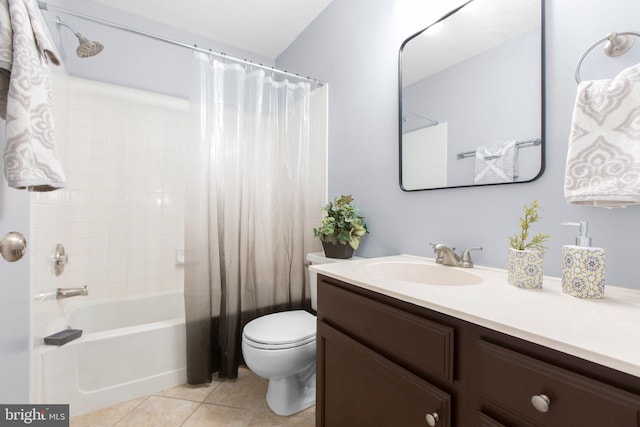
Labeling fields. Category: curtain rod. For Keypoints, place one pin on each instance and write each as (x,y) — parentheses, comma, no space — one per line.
(46,6)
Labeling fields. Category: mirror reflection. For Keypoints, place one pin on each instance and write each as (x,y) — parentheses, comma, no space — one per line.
(471,97)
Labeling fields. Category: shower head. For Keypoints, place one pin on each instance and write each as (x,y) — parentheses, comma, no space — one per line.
(87,48)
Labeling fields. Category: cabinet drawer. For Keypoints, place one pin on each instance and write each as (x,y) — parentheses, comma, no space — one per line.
(509,380)
(413,341)
(361,388)
(486,421)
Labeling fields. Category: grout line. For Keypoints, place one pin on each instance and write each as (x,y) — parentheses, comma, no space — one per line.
(191,414)
(132,409)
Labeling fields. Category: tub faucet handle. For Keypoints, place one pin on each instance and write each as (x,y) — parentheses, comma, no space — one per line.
(59,259)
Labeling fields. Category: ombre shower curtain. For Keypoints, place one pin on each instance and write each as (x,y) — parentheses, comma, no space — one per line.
(254,188)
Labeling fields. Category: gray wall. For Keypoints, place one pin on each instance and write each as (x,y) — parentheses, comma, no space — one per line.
(14,298)
(355,48)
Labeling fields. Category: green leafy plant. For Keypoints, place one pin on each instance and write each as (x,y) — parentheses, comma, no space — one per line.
(341,224)
(519,241)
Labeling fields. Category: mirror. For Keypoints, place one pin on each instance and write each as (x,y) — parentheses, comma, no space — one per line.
(471,97)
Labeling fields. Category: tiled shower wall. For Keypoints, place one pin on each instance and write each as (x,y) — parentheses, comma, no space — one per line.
(121,217)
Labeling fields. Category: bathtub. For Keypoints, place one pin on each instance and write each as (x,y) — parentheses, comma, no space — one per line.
(130,347)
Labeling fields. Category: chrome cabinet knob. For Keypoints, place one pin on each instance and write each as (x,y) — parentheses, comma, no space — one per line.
(13,246)
(541,402)
(432,419)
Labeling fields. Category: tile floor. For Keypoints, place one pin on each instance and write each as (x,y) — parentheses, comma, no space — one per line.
(224,402)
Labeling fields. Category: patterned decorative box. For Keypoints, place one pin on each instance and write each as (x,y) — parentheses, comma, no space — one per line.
(583,271)
(525,269)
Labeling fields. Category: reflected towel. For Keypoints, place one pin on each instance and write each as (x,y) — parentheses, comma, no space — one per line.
(30,159)
(495,163)
(603,159)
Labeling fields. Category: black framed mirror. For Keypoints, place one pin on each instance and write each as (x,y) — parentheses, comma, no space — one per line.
(471,89)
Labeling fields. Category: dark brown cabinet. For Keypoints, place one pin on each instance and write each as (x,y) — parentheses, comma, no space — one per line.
(385,362)
(485,421)
(366,389)
(413,341)
(544,394)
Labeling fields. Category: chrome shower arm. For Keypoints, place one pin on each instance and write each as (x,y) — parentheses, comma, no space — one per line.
(59,23)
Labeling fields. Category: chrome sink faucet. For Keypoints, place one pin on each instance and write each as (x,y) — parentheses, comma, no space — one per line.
(447,256)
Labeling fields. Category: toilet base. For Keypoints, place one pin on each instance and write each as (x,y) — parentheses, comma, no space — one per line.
(289,395)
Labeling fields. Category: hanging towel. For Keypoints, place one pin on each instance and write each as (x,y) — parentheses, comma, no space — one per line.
(603,159)
(30,159)
(497,162)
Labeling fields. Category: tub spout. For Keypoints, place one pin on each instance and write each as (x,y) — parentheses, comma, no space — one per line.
(71,292)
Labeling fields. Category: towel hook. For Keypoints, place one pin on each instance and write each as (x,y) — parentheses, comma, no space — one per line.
(616,44)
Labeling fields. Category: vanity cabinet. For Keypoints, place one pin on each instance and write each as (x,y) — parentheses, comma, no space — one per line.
(385,362)
(362,388)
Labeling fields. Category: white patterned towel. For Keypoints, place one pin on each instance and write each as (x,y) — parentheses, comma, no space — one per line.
(497,162)
(603,159)
(30,159)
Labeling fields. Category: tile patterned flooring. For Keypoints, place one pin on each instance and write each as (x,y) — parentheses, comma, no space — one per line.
(225,402)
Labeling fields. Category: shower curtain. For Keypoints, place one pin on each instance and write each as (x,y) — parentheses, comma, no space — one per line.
(252,200)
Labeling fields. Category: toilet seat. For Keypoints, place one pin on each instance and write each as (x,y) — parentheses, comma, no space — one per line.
(284,330)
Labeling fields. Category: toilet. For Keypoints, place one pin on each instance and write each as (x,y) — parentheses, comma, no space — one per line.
(281,347)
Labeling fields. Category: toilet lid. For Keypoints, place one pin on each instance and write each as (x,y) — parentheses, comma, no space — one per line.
(286,329)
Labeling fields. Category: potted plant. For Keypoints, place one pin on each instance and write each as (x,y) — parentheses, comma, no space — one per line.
(525,254)
(341,228)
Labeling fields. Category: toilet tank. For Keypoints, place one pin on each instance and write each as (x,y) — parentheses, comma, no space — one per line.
(319,258)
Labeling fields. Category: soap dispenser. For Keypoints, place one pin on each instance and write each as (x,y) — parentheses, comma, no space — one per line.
(582,266)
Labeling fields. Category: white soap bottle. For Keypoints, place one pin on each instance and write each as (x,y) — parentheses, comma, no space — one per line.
(582,266)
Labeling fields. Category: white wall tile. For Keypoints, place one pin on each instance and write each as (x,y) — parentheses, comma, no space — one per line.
(121,149)
(100,245)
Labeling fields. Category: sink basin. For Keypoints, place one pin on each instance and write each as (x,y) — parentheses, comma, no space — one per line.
(423,273)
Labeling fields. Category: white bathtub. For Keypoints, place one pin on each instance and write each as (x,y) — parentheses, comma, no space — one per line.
(129,348)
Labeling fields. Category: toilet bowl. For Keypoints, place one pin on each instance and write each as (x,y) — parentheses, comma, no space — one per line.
(281,347)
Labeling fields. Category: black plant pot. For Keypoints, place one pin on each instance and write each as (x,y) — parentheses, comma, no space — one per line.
(337,251)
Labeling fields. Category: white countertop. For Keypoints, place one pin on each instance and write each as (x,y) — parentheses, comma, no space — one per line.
(605,331)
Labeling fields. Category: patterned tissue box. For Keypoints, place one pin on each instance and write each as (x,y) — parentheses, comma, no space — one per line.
(583,271)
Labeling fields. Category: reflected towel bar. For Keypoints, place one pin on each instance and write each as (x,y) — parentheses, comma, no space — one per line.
(420,116)
(530,142)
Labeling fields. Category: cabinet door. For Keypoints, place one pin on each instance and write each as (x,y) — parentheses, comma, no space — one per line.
(358,387)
